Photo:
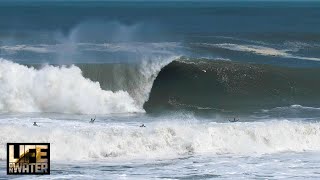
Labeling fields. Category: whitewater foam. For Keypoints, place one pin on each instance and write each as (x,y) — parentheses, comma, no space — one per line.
(164,139)
(57,89)
(295,106)
(254,48)
(15,48)
(260,50)
(149,58)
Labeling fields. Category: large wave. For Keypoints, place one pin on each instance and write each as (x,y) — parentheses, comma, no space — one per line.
(227,86)
(165,139)
(156,82)
(84,88)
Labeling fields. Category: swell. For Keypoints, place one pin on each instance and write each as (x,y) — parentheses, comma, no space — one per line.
(200,84)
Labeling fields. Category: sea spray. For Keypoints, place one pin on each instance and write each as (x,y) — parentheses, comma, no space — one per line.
(57,89)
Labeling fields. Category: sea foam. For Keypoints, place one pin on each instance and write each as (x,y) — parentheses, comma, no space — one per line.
(57,89)
(163,139)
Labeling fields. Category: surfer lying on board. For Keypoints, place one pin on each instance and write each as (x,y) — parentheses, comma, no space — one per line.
(92,120)
(142,125)
(234,120)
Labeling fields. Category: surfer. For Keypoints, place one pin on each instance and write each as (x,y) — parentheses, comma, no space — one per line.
(35,124)
(142,125)
(234,120)
(92,120)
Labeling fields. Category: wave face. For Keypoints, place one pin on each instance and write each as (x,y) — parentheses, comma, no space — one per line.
(227,86)
(81,88)
(136,79)
(57,89)
(164,139)
(156,83)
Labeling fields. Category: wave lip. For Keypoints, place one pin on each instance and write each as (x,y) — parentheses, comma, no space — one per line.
(57,89)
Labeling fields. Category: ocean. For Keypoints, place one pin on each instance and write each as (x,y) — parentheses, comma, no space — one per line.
(226,90)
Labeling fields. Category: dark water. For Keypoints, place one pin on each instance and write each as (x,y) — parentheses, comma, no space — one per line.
(226,86)
(279,20)
(290,26)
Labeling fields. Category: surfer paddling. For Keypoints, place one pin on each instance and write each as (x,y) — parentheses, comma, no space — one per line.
(35,124)
(142,125)
(92,120)
(234,120)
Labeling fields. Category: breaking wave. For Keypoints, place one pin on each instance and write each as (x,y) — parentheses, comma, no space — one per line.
(165,140)
(198,84)
(157,82)
(82,88)
(57,89)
